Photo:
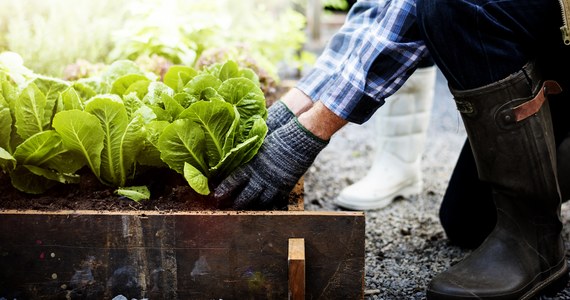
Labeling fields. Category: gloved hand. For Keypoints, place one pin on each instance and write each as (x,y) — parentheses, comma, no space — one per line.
(278,115)
(269,177)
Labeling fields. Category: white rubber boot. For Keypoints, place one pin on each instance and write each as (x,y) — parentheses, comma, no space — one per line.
(401,125)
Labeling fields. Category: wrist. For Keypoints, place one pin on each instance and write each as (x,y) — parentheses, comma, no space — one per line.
(297,101)
(309,134)
(321,121)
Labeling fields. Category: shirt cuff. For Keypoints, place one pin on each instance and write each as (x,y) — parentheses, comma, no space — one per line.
(339,95)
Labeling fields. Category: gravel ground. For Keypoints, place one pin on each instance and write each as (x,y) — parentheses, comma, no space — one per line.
(405,244)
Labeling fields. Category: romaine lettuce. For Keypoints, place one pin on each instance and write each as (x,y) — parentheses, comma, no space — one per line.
(218,133)
(31,152)
(202,124)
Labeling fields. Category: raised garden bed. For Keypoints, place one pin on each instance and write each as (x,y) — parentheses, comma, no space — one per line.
(176,254)
(68,150)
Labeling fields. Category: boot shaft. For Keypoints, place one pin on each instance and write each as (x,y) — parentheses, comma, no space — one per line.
(516,157)
(510,131)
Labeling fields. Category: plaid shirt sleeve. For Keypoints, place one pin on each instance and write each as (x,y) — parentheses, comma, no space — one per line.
(367,60)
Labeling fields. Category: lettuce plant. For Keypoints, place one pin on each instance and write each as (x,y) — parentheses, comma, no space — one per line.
(106,132)
(218,126)
(202,124)
(31,152)
(104,136)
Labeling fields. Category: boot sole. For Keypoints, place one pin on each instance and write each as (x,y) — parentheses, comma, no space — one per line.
(412,189)
(552,285)
(549,287)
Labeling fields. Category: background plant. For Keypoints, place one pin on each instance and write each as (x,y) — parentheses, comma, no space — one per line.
(264,34)
(53,34)
(341,5)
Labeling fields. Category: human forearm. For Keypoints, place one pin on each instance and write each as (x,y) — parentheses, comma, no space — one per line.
(315,117)
(321,121)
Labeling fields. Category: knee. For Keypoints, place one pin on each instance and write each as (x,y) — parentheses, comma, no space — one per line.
(436,16)
(426,13)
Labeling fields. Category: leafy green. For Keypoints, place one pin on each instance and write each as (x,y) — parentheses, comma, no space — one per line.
(39,148)
(7,161)
(51,88)
(25,180)
(215,119)
(220,132)
(130,83)
(31,152)
(119,69)
(183,142)
(149,154)
(200,83)
(178,76)
(69,99)
(122,139)
(5,125)
(31,112)
(195,178)
(201,124)
(81,132)
(135,193)
(105,137)
(245,95)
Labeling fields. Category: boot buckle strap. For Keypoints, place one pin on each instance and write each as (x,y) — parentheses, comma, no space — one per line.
(531,107)
(464,107)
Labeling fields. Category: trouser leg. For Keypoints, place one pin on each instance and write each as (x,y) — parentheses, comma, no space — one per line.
(478,42)
(467,212)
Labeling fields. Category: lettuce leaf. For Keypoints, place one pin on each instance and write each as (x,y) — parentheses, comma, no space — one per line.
(135,193)
(81,132)
(5,125)
(181,142)
(123,139)
(30,112)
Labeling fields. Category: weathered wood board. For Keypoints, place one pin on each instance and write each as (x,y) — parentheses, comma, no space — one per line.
(193,255)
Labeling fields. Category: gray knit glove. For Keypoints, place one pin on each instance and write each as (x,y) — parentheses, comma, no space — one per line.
(278,115)
(269,177)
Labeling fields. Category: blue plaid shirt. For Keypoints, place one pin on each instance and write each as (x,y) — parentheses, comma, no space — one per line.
(367,60)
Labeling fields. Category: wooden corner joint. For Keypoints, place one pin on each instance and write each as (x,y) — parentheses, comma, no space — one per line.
(296,262)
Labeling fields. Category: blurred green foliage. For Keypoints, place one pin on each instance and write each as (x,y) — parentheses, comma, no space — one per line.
(341,5)
(51,35)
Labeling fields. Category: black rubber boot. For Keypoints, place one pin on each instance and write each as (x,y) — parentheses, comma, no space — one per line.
(510,132)
(467,212)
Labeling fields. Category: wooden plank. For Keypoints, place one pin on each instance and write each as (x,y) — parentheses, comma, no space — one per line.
(296,269)
(197,255)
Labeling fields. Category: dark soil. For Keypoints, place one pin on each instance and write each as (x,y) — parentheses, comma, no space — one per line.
(169,193)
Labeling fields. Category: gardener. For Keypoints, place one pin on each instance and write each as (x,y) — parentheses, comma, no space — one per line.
(496,56)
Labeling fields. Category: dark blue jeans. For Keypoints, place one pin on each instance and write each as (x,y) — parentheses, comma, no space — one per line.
(476,43)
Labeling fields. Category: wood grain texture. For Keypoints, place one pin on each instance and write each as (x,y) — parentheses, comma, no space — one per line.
(296,269)
(197,255)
